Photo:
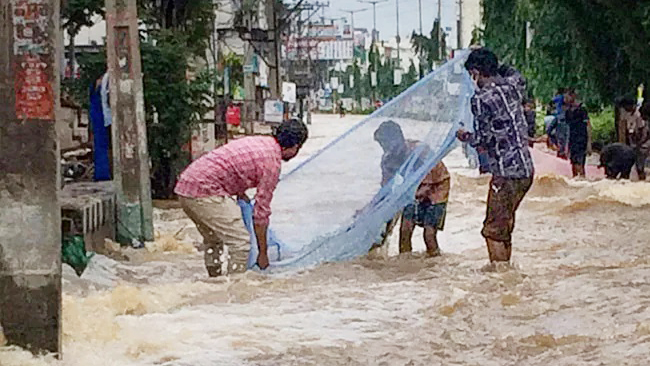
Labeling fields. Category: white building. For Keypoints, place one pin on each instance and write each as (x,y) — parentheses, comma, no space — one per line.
(406,54)
(471,17)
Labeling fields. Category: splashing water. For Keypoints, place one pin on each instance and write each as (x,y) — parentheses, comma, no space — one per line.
(578,293)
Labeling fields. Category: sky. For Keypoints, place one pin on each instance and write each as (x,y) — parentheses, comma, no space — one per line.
(409,16)
(386,20)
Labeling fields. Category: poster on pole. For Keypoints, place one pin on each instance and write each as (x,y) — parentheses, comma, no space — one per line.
(33,59)
(373,79)
(273,111)
(397,77)
(334,81)
(351,81)
(341,88)
(289,92)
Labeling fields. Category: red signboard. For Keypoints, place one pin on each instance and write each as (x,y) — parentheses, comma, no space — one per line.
(233,115)
(33,87)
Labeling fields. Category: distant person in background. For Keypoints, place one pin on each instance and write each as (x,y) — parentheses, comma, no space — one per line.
(559,127)
(501,129)
(637,133)
(558,100)
(529,112)
(562,133)
(577,119)
(341,109)
(548,122)
(617,159)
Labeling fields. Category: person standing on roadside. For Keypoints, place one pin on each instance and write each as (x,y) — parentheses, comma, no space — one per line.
(577,119)
(529,112)
(637,135)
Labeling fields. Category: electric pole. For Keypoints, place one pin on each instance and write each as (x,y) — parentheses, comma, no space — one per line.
(460,25)
(374,16)
(130,152)
(275,85)
(421,68)
(397,37)
(30,238)
(440,30)
(420,11)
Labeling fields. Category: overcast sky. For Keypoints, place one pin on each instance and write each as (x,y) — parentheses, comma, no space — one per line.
(409,16)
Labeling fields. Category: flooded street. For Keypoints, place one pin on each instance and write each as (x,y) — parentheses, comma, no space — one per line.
(578,292)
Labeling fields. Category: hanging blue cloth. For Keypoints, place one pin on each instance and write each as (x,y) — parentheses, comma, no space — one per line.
(101,139)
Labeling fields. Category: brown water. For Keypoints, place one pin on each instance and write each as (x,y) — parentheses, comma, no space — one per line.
(578,293)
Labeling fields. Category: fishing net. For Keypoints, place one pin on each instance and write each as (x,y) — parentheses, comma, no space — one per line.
(334,206)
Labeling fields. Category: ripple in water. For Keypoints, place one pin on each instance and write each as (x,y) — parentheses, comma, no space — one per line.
(578,293)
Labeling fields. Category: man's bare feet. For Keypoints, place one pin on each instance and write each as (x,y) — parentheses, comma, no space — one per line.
(497,267)
(433,252)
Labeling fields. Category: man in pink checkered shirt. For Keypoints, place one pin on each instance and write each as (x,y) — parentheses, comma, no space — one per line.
(207,187)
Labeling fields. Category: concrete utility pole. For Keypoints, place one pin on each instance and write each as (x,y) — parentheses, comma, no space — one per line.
(421,56)
(397,38)
(420,14)
(275,71)
(440,31)
(130,153)
(249,91)
(30,216)
(374,16)
(459,26)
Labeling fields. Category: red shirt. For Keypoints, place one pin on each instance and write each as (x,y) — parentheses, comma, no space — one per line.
(249,162)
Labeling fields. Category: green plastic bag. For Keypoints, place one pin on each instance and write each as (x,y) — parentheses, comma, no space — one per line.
(73,253)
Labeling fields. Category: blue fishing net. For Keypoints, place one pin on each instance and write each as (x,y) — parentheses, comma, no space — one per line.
(334,206)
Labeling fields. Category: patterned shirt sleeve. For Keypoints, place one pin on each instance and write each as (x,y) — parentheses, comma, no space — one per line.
(480,113)
(264,195)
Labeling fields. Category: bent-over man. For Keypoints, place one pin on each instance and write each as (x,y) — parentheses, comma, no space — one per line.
(208,186)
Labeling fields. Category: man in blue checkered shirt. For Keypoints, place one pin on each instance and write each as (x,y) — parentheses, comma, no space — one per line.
(501,130)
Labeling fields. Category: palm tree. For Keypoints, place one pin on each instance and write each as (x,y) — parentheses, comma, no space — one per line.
(432,48)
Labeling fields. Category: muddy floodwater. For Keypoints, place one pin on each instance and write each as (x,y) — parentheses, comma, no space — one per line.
(578,292)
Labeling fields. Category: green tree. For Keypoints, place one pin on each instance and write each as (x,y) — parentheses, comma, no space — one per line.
(431,48)
(176,37)
(599,47)
(179,32)
(76,14)
(409,78)
(173,105)
(359,87)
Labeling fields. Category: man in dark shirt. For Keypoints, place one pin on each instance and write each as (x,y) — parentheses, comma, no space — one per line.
(579,133)
(501,129)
